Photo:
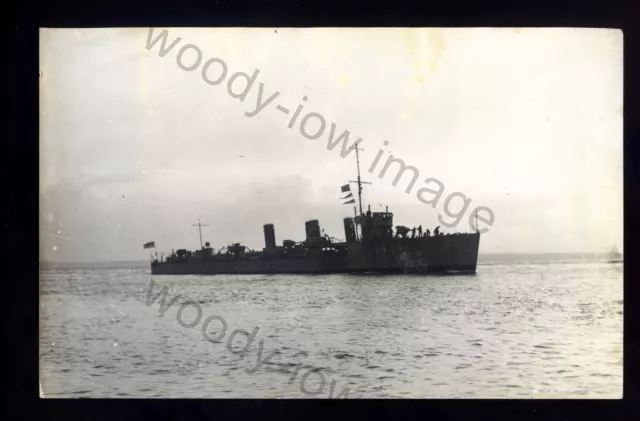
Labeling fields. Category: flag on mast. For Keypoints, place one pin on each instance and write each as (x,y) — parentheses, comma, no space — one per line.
(347,196)
(349,202)
(150,245)
(345,188)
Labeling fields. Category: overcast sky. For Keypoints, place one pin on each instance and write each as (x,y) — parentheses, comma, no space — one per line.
(527,122)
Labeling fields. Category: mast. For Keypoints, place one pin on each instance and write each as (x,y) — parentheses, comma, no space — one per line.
(359,181)
(199,225)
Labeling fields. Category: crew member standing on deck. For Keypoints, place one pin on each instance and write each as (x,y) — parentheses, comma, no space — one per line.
(420,231)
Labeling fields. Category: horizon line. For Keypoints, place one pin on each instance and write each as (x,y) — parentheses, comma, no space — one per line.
(479,254)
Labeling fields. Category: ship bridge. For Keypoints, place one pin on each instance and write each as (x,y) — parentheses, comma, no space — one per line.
(373,225)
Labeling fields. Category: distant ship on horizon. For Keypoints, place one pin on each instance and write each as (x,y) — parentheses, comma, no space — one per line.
(615,256)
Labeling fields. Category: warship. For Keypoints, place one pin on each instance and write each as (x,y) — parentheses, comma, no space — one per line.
(370,246)
(615,256)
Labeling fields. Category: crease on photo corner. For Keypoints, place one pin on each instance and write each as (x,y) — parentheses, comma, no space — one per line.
(41,392)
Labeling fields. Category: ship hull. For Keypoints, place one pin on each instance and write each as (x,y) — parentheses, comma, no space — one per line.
(451,254)
(287,268)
